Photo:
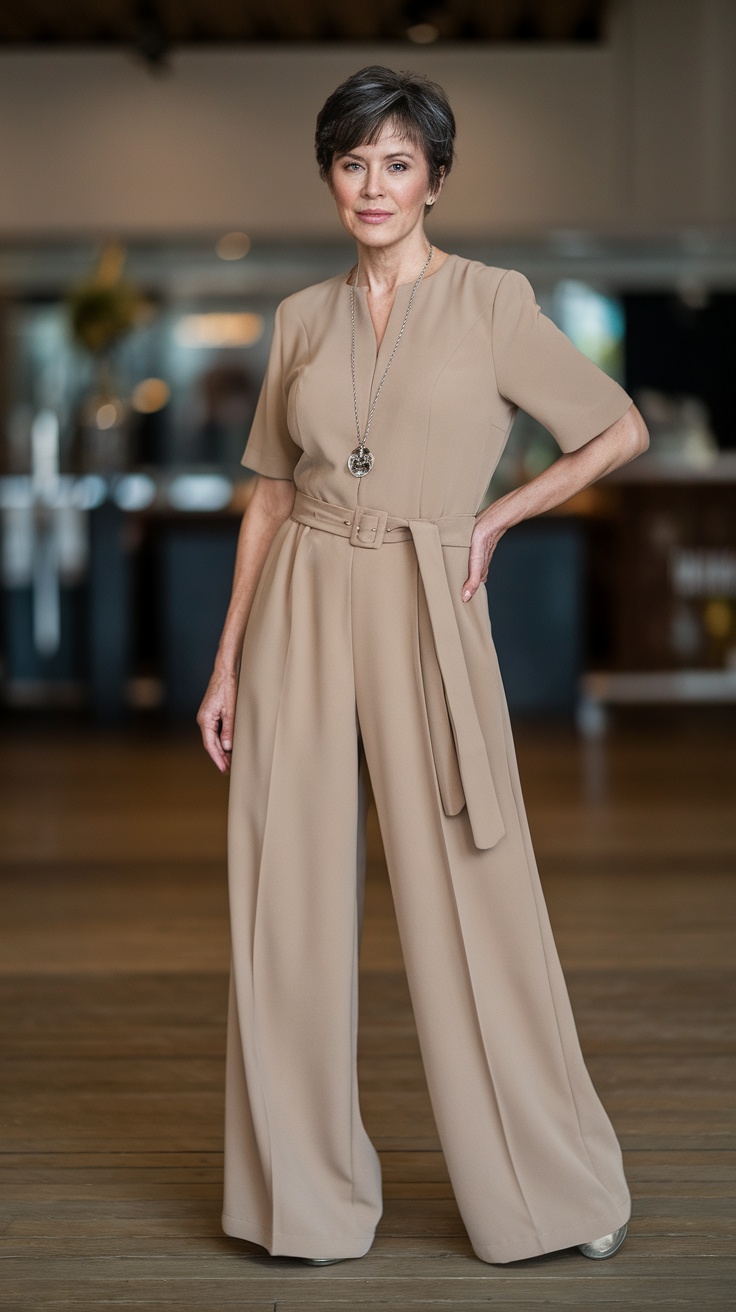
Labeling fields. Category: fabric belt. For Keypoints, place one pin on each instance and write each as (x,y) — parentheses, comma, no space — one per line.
(459,750)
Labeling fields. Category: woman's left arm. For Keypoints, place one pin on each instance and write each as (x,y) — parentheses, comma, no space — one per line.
(572,472)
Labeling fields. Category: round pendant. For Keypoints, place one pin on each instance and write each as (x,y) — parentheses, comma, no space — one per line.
(360,461)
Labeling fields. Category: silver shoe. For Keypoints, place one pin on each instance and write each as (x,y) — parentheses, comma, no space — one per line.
(605,1247)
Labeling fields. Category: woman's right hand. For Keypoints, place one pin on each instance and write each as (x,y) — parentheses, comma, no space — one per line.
(216,718)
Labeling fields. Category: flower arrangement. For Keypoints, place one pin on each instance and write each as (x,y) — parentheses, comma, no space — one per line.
(105,308)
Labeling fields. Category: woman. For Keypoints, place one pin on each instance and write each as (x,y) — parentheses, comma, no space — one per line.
(368,645)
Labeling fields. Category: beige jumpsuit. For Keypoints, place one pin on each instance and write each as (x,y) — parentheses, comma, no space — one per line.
(357,643)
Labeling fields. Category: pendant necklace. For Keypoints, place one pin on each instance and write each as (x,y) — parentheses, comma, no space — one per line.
(362,459)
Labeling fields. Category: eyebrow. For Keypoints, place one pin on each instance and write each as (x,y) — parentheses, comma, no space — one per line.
(395,154)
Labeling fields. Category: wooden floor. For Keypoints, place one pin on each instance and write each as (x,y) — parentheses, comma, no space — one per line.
(113,960)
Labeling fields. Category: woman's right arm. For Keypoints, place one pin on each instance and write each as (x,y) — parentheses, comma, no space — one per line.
(271,503)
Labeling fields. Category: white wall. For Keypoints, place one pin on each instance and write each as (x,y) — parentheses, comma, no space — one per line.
(632,136)
(681,63)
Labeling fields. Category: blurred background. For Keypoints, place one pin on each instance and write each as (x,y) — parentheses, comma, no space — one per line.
(159,197)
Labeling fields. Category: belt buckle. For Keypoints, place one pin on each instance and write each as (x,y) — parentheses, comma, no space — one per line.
(368,527)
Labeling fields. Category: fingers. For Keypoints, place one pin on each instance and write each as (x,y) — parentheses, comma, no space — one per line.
(216,719)
(213,748)
(226,729)
(476,565)
(481,551)
(211,723)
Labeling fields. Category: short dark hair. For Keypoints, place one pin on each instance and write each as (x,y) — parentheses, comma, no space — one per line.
(359,108)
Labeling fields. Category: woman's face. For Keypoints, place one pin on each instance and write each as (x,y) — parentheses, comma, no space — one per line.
(381,189)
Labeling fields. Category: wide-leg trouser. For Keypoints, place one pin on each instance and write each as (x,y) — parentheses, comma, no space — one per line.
(533,1159)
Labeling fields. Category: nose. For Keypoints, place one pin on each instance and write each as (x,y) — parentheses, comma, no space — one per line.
(372,183)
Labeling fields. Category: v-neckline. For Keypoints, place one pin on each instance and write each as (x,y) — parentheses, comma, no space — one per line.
(400,287)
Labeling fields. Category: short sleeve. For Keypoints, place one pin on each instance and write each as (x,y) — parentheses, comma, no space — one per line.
(539,369)
(270,448)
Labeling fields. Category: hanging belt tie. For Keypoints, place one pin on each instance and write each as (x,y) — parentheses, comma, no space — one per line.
(466,779)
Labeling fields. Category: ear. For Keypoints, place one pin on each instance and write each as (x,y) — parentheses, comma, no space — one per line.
(434,195)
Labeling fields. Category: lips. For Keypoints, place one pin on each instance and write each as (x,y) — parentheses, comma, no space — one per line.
(373,216)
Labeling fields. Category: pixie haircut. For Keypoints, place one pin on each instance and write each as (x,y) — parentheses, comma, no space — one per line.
(375,97)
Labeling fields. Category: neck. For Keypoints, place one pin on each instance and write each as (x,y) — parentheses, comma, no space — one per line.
(381,269)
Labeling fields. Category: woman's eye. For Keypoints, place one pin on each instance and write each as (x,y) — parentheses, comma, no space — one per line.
(398,165)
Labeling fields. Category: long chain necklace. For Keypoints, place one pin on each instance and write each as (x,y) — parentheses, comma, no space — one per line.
(362,459)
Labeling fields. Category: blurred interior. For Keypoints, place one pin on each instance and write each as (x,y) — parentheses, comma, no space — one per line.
(158,203)
(159,197)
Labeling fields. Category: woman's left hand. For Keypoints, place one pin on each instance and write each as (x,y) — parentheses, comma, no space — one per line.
(486,536)
(570,473)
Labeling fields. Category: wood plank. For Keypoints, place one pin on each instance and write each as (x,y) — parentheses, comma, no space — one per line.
(181,1285)
(113,987)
